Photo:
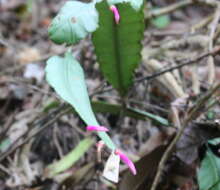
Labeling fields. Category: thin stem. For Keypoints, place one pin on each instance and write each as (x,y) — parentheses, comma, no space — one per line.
(184,63)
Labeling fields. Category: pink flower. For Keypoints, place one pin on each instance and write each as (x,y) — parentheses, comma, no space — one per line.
(96,128)
(127,161)
(115,11)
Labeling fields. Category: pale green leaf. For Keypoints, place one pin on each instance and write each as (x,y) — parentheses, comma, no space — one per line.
(74,22)
(122,44)
(5,144)
(70,159)
(209,173)
(66,76)
(161,21)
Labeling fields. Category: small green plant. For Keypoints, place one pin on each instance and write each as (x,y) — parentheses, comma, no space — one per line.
(118,25)
(209,173)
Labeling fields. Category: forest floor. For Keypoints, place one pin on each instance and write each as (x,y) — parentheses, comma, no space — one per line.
(175,83)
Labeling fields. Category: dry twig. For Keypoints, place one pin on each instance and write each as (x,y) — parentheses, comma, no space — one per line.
(214,52)
(176,6)
(213,27)
(49,121)
(170,148)
(168,9)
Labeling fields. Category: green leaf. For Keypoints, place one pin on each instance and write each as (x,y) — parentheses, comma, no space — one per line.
(105,107)
(70,159)
(136,4)
(5,144)
(151,116)
(74,22)
(30,5)
(161,21)
(66,76)
(115,109)
(209,173)
(50,106)
(122,44)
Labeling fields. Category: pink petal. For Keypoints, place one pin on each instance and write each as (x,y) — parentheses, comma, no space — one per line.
(96,128)
(127,161)
(115,11)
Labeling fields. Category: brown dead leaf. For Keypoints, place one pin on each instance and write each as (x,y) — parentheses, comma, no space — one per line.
(146,169)
(168,80)
(194,136)
(157,139)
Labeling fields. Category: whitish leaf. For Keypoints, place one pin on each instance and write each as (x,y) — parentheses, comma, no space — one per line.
(66,76)
(74,22)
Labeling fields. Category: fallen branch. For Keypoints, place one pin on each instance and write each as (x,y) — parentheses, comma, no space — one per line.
(213,53)
(213,28)
(176,6)
(168,9)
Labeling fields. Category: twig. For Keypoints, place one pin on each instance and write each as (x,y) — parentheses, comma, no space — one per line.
(213,27)
(176,6)
(204,22)
(168,9)
(16,145)
(184,63)
(27,83)
(56,142)
(170,148)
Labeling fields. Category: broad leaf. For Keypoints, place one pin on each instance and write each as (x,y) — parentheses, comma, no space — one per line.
(136,4)
(74,22)
(118,46)
(209,173)
(66,76)
(69,160)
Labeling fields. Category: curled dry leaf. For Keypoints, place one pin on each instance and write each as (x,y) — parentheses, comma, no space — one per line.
(167,80)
